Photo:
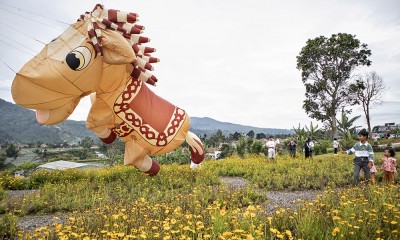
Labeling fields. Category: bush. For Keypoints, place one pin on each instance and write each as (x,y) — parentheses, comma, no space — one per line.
(347,143)
(226,150)
(321,147)
(257,147)
(179,156)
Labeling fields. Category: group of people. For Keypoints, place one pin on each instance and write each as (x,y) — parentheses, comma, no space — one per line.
(364,156)
(273,146)
(364,159)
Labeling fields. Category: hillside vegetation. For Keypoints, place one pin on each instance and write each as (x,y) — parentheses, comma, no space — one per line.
(18,124)
(179,203)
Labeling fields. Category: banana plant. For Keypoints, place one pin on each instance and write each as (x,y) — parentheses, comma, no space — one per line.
(311,132)
(345,125)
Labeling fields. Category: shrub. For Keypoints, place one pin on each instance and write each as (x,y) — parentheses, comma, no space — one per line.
(179,156)
(321,147)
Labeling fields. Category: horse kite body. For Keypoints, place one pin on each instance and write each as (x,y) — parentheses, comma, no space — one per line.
(102,55)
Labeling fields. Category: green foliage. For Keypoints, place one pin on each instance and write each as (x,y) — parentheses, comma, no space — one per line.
(257,147)
(321,147)
(179,156)
(260,136)
(27,166)
(114,151)
(2,194)
(347,143)
(86,142)
(8,226)
(326,65)
(3,158)
(19,124)
(345,125)
(241,147)
(312,130)
(226,150)
(12,151)
(301,134)
(235,136)
(250,134)
(82,153)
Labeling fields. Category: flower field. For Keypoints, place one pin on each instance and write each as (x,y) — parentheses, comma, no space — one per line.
(180,203)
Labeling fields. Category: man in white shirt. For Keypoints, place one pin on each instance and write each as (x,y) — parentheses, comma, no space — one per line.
(271,148)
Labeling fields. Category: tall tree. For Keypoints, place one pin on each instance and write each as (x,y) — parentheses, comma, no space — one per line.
(368,89)
(260,136)
(326,65)
(12,151)
(250,134)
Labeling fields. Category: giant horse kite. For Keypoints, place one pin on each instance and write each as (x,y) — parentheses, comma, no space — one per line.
(102,55)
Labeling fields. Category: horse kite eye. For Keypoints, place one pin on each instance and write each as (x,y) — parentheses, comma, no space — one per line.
(78,58)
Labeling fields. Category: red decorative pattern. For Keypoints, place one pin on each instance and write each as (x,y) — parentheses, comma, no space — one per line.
(134,122)
(123,130)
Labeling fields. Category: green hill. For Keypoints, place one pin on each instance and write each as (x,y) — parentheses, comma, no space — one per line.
(18,124)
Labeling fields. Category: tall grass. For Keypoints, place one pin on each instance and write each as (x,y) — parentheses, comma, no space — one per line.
(179,203)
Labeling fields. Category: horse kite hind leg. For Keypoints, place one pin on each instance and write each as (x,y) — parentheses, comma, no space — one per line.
(196,147)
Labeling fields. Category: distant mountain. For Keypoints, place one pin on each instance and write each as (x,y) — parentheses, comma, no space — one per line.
(18,124)
(206,125)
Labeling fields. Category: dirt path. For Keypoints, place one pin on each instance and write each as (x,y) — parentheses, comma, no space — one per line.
(276,199)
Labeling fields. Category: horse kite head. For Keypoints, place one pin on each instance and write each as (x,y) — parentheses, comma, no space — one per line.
(71,66)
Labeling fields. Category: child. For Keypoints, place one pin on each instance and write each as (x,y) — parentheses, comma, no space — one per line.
(373,172)
(271,148)
(364,156)
(388,165)
(335,145)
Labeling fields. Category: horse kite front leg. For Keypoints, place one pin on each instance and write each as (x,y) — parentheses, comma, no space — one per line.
(138,157)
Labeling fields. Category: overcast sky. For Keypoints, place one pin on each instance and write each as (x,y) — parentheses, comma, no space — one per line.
(231,60)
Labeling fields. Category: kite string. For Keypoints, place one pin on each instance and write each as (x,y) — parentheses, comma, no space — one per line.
(17,48)
(1,60)
(4,24)
(20,9)
(29,18)
(19,43)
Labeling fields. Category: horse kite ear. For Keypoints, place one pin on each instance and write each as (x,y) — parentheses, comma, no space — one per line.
(116,50)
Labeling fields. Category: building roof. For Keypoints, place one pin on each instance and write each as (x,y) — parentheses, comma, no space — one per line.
(62,165)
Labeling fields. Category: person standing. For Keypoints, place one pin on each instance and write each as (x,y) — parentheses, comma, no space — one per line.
(364,156)
(271,148)
(308,148)
(375,138)
(292,147)
(388,165)
(335,146)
